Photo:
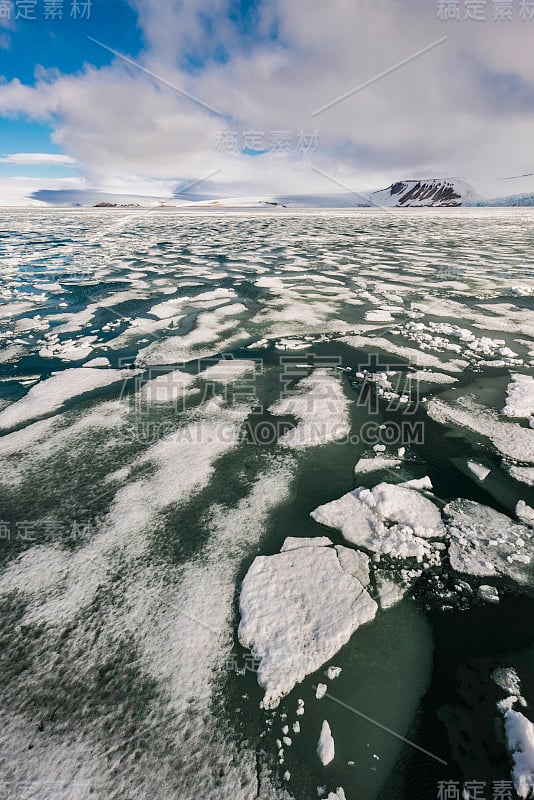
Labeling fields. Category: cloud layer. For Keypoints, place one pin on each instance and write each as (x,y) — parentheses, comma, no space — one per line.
(465,108)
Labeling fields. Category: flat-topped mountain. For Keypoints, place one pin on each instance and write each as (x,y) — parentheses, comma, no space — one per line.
(431,192)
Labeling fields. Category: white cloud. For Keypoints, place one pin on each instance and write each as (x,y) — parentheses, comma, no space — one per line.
(463,109)
(38,159)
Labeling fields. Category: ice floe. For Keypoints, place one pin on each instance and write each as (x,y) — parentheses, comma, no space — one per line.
(49,395)
(101,361)
(298,608)
(520,742)
(523,474)
(332,673)
(375,464)
(339,794)
(479,470)
(326,749)
(509,438)
(168,387)
(321,408)
(228,370)
(69,350)
(484,542)
(488,594)
(295,542)
(390,520)
(520,398)
(524,512)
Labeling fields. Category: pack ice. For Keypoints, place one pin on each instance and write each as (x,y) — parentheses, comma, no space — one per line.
(300,606)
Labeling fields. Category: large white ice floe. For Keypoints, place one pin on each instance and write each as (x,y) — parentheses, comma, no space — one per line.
(390,520)
(484,542)
(298,608)
(49,395)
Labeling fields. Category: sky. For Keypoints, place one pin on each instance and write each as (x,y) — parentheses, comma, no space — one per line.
(262,98)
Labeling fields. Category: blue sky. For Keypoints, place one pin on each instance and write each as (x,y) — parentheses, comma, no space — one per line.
(62,45)
(267,66)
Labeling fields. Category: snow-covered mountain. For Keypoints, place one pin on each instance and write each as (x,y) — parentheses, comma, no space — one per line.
(429,192)
(402,194)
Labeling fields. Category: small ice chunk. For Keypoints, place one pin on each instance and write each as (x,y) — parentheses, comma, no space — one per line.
(320,691)
(325,746)
(488,594)
(287,741)
(375,464)
(419,484)
(507,679)
(478,470)
(287,775)
(339,794)
(296,727)
(332,673)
